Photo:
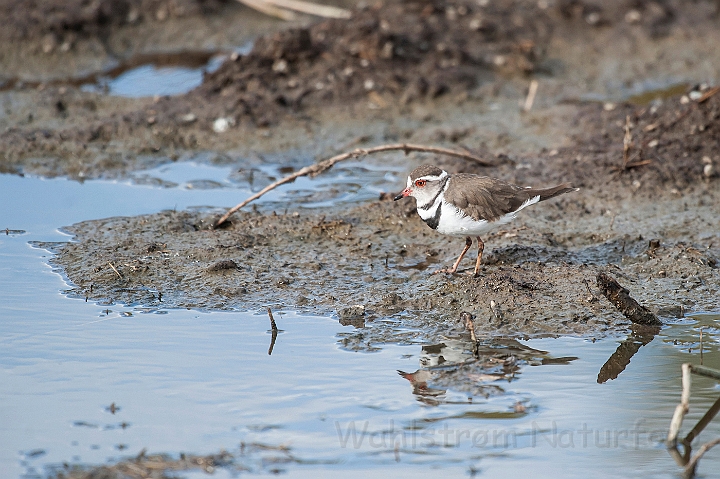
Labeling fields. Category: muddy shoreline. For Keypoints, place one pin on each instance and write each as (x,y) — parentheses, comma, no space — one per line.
(626,109)
(647,170)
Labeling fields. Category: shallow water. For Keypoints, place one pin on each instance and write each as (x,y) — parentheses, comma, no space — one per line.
(159,74)
(186,381)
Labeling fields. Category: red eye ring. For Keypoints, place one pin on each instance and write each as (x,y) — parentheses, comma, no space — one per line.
(420,183)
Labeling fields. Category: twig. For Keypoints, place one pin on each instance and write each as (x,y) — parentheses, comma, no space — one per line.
(708,94)
(268,9)
(274,329)
(702,423)
(317,168)
(682,409)
(627,142)
(692,465)
(326,11)
(530,99)
(284,9)
(684,460)
(273,326)
(635,164)
(705,371)
(116,271)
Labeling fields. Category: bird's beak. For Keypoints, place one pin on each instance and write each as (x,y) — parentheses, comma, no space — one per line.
(405,192)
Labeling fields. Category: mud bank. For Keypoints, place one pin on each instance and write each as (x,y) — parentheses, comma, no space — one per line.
(646,212)
(375,261)
(391,70)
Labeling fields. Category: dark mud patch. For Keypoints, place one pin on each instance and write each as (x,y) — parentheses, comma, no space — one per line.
(386,57)
(384,53)
(375,261)
(398,52)
(248,458)
(66,20)
(675,142)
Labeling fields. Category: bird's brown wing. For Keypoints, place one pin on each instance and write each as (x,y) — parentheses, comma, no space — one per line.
(485,198)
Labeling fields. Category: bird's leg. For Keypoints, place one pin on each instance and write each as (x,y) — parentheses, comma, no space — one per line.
(468,244)
(481,248)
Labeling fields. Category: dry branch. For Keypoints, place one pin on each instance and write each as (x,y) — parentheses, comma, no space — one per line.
(684,460)
(115,269)
(702,423)
(284,9)
(705,371)
(274,329)
(708,94)
(530,98)
(317,168)
(682,409)
(692,465)
(273,325)
(268,9)
(620,297)
(326,11)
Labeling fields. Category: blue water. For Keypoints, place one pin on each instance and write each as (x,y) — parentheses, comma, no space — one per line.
(193,382)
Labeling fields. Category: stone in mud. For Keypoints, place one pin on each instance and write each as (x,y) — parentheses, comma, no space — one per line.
(351,312)
(223,265)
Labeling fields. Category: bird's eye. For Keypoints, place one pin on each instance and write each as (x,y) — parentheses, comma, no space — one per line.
(420,183)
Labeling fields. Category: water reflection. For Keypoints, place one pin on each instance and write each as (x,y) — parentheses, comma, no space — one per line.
(639,336)
(477,371)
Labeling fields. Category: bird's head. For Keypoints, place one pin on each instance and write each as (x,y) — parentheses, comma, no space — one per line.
(424,183)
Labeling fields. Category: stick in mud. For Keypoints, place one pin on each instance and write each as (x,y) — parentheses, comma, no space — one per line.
(530,99)
(620,297)
(692,465)
(681,409)
(115,269)
(272,320)
(684,460)
(274,329)
(317,168)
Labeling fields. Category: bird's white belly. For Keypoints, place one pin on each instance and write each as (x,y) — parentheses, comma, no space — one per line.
(454,222)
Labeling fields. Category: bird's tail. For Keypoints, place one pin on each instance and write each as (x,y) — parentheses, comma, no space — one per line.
(547,193)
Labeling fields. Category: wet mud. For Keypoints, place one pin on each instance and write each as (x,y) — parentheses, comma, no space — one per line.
(626,111)
(448,73)
(391,67)
(374,261)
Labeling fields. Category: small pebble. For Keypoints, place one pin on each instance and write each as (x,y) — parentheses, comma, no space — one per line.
(708,170)
(187,118)
(633,16)
(221,125)
(280,66)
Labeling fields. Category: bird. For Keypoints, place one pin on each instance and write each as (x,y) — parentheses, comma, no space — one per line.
(468,205)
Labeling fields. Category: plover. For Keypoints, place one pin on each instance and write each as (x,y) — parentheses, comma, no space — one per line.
(470,205)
